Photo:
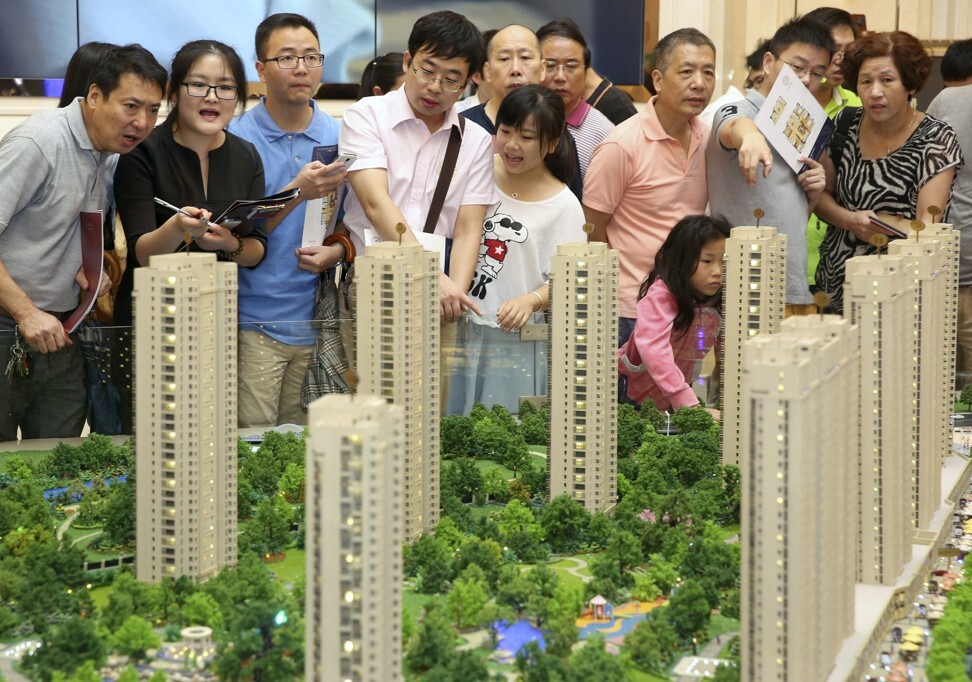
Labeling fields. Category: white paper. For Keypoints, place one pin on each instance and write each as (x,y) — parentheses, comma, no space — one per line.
(429,242)
(792,120)
(320,217)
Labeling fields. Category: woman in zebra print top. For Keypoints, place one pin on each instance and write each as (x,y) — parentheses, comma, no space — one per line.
(893,160)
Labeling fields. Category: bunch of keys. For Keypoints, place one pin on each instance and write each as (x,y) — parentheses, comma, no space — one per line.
(18,366)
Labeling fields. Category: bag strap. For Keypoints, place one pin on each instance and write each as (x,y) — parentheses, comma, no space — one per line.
(445,176)
(844,121)
(599,92)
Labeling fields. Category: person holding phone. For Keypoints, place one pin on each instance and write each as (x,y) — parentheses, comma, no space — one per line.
(192,162)
(886,156)
(276,303)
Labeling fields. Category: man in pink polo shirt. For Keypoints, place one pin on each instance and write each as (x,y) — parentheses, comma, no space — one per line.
(649,172)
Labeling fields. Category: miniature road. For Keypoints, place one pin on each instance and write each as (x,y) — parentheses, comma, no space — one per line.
(7,671)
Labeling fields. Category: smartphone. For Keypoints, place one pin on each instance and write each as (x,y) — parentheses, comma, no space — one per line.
(347,160)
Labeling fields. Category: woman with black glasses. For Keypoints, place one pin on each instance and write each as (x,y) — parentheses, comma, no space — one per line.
(191,161)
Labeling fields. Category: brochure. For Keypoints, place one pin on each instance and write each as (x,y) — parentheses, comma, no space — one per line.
(320,213)
(92,264)
(254,210)
(793,122)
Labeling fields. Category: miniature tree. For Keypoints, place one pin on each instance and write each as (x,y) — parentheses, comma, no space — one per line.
(66,648)
(433,644)
(564,523)
(965,397)
(455,436)
(651,645)
(631,430)
(495,486)
(593,662)
(466,598)
(134,638)
(269,530)
(689,611)
(463,478)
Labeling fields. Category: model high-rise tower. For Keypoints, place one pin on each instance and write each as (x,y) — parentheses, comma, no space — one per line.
(949,237)
(398,359)
(799,419)
(754,300)
(879,299)
(353,609)
(185,417)
(932,379)
(582,460)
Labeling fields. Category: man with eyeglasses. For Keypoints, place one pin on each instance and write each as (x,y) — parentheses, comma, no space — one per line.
(276,299)
(833,98)
(401,140)
(745,173)
(566,58)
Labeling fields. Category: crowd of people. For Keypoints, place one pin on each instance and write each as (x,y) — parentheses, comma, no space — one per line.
(495,182)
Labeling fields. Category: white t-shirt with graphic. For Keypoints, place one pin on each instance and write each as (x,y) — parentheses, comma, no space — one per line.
(519,239)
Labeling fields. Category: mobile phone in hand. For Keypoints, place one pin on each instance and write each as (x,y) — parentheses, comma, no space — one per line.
(347,160)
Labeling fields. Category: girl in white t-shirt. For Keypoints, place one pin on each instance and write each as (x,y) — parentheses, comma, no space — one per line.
(537,212)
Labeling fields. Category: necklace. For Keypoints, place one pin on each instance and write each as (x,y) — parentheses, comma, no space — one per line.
(884,143)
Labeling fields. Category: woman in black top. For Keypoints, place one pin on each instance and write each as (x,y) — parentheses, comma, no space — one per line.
(193,162)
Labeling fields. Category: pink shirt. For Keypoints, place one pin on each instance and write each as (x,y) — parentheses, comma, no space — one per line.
(642,177)
(384,133)
(660,363)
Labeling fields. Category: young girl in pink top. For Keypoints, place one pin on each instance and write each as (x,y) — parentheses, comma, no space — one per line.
(679,315)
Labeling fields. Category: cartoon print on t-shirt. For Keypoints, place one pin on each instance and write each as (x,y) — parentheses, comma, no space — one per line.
(499,231)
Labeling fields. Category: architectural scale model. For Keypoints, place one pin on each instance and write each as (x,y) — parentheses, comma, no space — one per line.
(754,292)
(949,236)
(398,359)
(353,605)
(798,498)
(185,418)
(933,382)
(879,297)
(582,458)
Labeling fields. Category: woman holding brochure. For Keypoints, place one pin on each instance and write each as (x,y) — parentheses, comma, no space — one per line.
(887,158)
(192,162)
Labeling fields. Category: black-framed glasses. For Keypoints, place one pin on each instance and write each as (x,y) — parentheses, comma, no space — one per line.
(289,61)
(197,89)
(448,84)
(802,71)
(570,68)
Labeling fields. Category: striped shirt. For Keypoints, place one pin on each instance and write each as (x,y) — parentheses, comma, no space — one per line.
(588,126)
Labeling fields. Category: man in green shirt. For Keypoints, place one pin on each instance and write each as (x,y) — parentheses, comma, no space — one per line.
(833,97)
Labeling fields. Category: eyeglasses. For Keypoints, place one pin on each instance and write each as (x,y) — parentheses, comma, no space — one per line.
(196,89)
(803,71)
(570,68)
(289,61)
(448,84)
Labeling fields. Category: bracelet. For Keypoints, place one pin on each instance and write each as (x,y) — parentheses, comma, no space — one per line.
(239,249)
(539,298)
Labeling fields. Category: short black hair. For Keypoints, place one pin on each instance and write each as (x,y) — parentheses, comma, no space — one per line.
(565,28)
(382,71)
(805,31)
(448,35)
(754,60)
(280,20)
(487,39)
(832,17)
(77,78)
(957,62)
(120,60)
(662,54)
(547,109)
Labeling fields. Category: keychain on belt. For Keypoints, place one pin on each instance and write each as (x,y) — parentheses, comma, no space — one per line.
(18,366)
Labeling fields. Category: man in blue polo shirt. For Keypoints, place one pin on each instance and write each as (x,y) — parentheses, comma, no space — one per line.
(277,297)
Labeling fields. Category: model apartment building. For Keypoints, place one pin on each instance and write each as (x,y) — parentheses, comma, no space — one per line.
(185,417)
(353,603)
(933,382)
(799,393)
(949,238)
(754,300)
(398,359)
(879,297)
(582,459)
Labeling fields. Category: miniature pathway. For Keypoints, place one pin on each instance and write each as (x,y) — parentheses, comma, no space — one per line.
(475,640)
(701,664)
(62,529)
(574,570)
